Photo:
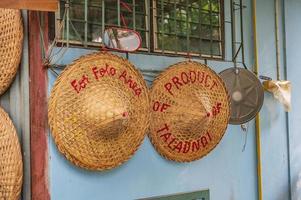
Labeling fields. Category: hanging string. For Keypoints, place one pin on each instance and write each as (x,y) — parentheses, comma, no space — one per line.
(56,39)
(47,55)
(245,128)
(53,71)
(189,56)
(277,39)
(42,40)
(103,48)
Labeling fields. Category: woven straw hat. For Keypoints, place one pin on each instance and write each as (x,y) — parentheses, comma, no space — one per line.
(10,160)
(190,111)
(99,111)
(11,37)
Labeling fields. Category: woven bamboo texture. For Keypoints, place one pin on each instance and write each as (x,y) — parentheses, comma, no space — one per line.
(101,125)
(10,160)
(11,41)
(190,111)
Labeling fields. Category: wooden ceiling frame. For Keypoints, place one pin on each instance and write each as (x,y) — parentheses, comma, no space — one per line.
(39,5)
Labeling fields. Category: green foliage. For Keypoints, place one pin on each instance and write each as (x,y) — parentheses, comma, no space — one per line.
(178,23)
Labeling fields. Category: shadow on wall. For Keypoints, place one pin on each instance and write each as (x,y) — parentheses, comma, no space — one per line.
(296,183)
(270,111)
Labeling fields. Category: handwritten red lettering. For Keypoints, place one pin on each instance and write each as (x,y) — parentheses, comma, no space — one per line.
(179,146)
(164,128)
(216,109)
(206,80)
(132,84)
(172,142)
(168,87)
(192,76)
(201,79)
(112,71)
(165,136)
(209,136)
(184,78)
(186,146)
(175,144)
(204,141)
(81,84)
(195,146)
(160,106)
(176,81)
(75,86)
(213,85)
(101,72)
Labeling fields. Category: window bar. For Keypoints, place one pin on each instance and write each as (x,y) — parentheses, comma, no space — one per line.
(221,24)
(86,23)
(134,14)
(102,16)
(201,27)
(233,30)
(242,34)
(176,30)
(162,25)
(169,17)
(118,11)
(76,32)
(148,24)
(211,31)
(187,28)
(58,22)
(68,21)
(180,25)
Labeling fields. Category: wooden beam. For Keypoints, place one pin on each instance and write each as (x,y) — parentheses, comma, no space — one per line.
(40,5)
(38,108)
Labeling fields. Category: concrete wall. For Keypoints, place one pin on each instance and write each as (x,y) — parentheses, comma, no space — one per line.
(227,171)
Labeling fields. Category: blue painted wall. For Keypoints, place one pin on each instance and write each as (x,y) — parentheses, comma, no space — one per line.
(293,62)
(227,171)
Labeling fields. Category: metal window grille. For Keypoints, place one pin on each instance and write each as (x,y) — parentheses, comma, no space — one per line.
(166,26)
(87,19)
(193,26)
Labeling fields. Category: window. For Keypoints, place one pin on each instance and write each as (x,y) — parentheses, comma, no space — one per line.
(188,26)
(166,26)
(86,19)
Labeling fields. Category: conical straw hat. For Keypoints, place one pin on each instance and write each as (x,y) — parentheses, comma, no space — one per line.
(11,41)
(190,111)
(99,111)
(10,160)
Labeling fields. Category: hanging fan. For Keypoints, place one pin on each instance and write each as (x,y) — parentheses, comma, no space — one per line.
(244,88)
(246,94)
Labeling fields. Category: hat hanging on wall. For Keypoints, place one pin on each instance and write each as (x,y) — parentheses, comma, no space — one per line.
(11,37)
(10,160)
(99,111)
(246,94)
(190,111)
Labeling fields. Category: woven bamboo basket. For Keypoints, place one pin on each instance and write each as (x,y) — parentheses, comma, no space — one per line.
(99,111)
(10,160)
(11,41)
(190,111)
